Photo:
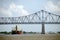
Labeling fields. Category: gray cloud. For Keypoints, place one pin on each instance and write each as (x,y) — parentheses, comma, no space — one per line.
(53,7)
(13,10)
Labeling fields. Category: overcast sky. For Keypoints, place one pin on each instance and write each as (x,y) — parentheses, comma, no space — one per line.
(26,7)
(15,8)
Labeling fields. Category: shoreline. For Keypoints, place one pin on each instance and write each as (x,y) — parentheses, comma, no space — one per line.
(31,37)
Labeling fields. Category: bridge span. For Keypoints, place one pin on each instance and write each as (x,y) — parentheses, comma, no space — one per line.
(40,17)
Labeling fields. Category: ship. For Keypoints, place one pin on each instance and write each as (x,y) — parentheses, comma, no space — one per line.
(16,30)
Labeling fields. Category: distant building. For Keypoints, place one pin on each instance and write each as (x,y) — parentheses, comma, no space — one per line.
(16,30)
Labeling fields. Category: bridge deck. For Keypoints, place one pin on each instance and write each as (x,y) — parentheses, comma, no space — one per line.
(30,23)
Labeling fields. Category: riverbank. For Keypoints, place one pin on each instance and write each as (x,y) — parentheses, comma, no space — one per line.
(31,37)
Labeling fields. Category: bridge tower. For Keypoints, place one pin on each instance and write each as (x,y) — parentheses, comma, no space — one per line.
(43,26)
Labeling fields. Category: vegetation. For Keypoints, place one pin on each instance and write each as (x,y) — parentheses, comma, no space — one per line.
(5,32)
(58,32)
(51,32)
(29,32)
(24,32)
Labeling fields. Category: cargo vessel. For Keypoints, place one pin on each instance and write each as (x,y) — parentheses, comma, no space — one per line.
(16,30)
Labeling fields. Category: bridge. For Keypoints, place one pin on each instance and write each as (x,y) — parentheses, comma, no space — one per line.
(40,17)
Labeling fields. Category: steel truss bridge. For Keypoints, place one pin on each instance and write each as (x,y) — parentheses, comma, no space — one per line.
(40,17)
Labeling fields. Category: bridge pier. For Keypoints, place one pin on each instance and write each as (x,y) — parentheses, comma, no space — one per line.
(43,28)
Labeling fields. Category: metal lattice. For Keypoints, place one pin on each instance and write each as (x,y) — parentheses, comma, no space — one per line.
(35,18)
